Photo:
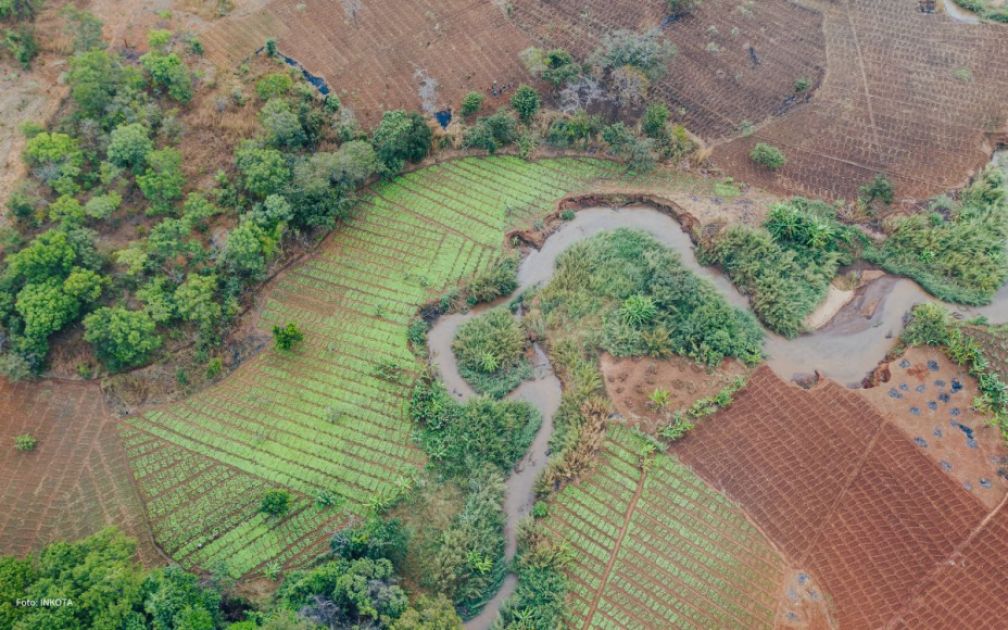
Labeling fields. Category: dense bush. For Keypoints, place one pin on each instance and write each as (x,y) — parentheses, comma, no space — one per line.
(497,280)
(960,256)
(597,279)
(107,587)
(786,268)
(491,132)
(575,130)
(559,67)
(468,565)
(374,538)
(538,601)
(491,353)
(460,438)
(472,102)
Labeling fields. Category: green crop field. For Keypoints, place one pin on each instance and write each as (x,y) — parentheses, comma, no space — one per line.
(684,555)
(323,418)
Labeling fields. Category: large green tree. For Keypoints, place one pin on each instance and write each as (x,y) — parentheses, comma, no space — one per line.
(402,137)
(120,337)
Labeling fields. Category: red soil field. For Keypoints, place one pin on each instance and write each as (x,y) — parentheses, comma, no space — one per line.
(838,489)
(76,481)
(376,54)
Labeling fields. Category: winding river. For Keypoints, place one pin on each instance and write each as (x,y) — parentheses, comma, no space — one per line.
(849,346)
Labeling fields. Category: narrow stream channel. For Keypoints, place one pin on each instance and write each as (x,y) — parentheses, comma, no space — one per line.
(845,349)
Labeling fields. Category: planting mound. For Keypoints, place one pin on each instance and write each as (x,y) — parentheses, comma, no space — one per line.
(840,490)
(383,54)
(917,96)
(327,420)
(76,481)
(655,547)
(736,64)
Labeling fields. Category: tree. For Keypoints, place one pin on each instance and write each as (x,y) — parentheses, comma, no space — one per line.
(101,206)
(401,137)
(429,613)
(559,67)
(95,78)
(273,211)
(247,250)
(323,183)
(283,127)
(275,502)
(491,132)
(288,336)
(263,172)
(526,102)
(648,52)
(168,72)
(767,156)
(85,28)
(196,300)
(129,146)
(66,210)
(163,180)
(45,308)
(471,103)
(121,338)
(56,159)
(346,594)
(374,538)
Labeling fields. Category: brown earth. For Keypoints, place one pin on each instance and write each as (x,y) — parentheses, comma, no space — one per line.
(629,383)
(929,398)
(76,481)
(919,97)
(383,54)
(839,489)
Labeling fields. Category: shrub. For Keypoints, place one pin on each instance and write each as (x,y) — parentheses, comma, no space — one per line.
(283,126)
(472,103)
(802,85)
(275,502)
(655,118)
(500,278)
(288,336)
(101,206)
(169,73)
(25,443)
(374,538)
(274,84)
(526,102)
(559,67)
(767,156)
(879,188)
(491,132)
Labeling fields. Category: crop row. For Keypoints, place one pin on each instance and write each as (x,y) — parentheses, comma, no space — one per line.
(329,416)
(687,557)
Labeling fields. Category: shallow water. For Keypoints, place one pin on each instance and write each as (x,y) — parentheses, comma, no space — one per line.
(960,14)
(846,349)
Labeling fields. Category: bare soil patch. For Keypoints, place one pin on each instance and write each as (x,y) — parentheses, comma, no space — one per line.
(76,481)
(630,382)
(929,398)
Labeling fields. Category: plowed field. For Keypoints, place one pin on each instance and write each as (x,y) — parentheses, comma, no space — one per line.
(841,492)
(383,54)
(77,479)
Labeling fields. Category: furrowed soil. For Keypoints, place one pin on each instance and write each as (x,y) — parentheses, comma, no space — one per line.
(839,489)
(76,481)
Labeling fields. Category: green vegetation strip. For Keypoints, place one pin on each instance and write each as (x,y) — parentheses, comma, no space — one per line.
(329,417)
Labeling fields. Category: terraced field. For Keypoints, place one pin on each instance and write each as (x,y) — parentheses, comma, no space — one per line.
(329,416)
(656,547)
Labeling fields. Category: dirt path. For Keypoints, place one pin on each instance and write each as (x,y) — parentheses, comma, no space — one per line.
(616,549)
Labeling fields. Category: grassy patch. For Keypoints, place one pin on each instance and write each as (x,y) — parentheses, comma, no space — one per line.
(624,292)
(785,266)
(957,251)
